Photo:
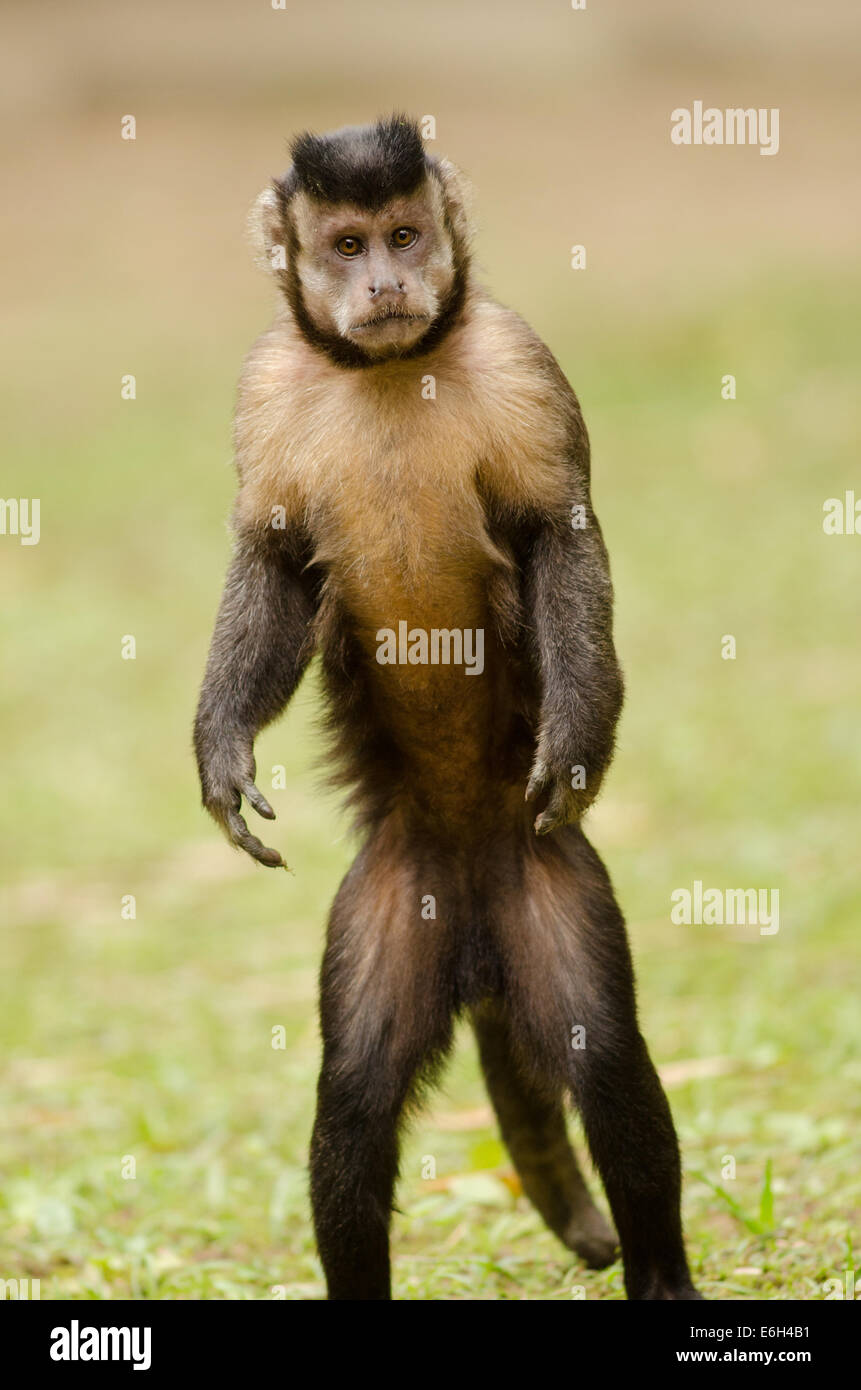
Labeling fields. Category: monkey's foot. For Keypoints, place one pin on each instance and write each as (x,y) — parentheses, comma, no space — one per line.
(591,1237)
(686,1293)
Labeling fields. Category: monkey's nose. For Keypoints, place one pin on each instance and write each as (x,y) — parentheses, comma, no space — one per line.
(386,287)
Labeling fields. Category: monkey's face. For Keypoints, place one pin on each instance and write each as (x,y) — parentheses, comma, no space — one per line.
(375,278)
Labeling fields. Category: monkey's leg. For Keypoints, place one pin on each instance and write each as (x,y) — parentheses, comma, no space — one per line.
(385,1010)
(533,1127)
(573,1006)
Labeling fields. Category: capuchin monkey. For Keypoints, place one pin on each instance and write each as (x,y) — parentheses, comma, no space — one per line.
(413,491)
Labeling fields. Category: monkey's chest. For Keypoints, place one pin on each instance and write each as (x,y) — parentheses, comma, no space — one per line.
(408,547)
(412,568)
(411,565)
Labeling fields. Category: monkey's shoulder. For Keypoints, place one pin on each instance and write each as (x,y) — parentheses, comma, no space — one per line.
(539,446)
(279,425)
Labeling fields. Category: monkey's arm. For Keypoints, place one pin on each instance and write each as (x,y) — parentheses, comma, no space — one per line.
(259,650)
(569,609)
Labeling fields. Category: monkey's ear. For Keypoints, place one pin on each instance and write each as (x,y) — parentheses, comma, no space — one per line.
(266,231)
(458,194)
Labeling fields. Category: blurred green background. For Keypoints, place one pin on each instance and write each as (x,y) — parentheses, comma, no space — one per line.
(151,1039)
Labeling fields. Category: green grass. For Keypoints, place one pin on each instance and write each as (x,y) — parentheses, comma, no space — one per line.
(151,1038)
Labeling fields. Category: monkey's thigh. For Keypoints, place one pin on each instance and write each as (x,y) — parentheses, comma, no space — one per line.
(385,1010)
(573,1019)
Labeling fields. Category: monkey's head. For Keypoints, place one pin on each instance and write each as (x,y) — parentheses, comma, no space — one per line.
(368,237)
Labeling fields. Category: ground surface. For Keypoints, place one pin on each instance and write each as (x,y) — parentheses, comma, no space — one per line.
(151,1039)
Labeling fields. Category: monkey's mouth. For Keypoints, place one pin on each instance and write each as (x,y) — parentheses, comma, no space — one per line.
(389,316)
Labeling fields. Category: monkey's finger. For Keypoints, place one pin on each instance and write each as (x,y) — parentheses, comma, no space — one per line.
(256,799)
(554,814)
(537,781)
(243,839)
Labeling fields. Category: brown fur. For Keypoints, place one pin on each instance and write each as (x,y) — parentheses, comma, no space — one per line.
(363,503)
(388,485)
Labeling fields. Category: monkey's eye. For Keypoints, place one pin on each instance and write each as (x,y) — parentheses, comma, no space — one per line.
(348,246)
(404,237)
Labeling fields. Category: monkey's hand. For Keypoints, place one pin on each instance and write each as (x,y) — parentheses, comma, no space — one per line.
(225,780)
(566,801)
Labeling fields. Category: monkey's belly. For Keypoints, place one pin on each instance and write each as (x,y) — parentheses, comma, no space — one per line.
(443,724)
(444,696)
(441,684)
